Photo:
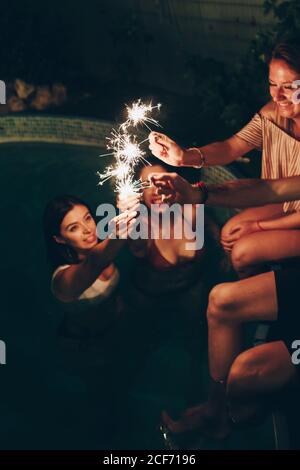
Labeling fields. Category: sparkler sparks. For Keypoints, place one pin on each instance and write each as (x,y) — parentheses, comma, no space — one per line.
(127,150)
(120,171)
(139,113)
(129,187)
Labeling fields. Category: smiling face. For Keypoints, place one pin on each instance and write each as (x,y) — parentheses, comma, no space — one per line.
(149,195)
(281,77)
(78,229)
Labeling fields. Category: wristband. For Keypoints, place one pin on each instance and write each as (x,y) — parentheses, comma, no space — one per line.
(259,226)
(202,158)
(200,185)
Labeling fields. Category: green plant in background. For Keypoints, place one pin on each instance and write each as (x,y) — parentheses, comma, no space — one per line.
(230,94)
(286,27)
(287,14)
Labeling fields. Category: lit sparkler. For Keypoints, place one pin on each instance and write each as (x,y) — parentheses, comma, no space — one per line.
(139,113)
(129,187)
(127,150)
(119,171)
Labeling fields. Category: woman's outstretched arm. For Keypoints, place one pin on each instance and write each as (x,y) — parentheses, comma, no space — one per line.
(253,192)
(217,153)
(71,282)
(239,193)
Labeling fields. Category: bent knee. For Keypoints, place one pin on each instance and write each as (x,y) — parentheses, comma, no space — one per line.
(244,373)
(221,302)
(241,256)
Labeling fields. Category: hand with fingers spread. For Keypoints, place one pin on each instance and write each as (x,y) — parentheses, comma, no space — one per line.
(175,188)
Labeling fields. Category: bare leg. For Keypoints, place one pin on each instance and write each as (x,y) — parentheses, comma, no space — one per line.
(230,305)
(261,247)
(254,213)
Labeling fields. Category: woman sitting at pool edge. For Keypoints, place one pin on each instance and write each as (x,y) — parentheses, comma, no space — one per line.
(243,380)
(257,235)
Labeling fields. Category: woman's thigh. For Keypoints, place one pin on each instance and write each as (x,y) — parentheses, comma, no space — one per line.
(270,245)
(252,299)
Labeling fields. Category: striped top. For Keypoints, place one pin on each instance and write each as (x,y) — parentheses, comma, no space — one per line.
(280,149)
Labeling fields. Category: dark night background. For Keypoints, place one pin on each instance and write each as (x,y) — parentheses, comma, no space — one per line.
(205,62)
(197,57)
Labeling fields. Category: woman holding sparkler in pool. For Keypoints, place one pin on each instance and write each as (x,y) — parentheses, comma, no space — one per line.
(84,271)
(170,281)
(85,283)
(166,253)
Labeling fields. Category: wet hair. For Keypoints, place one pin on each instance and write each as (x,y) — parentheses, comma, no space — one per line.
(192,175)
(54,213)
(153,161)
(289,52)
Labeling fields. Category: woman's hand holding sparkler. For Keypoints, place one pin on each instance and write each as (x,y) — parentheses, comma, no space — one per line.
(171,153)
(175,189)
(165,149)
(128,203)
(122,224)
(132,203)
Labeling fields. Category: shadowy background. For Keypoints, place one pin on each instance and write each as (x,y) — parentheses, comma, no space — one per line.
(205,62)
(203,59)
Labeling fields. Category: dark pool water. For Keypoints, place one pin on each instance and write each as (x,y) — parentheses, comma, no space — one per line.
(42,405)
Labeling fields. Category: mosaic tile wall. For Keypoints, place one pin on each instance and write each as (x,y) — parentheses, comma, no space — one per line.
(54,129)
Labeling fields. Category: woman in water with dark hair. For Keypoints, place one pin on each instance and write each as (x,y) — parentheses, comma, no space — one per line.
(167,261)
(85,283)
(72,243)
(171,277)
(258,235)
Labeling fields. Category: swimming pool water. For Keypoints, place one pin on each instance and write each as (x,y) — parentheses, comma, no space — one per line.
(42,407)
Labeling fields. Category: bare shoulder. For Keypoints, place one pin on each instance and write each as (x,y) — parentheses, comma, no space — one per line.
(269,111)
(57,284)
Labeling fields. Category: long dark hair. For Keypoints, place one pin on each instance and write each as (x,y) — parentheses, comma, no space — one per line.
(54,214)
(192,175)
(289,52)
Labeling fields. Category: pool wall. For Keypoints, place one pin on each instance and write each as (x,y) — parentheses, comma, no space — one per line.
(54,129)
(76,131)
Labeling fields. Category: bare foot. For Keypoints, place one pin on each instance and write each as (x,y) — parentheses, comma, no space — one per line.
(200,418)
